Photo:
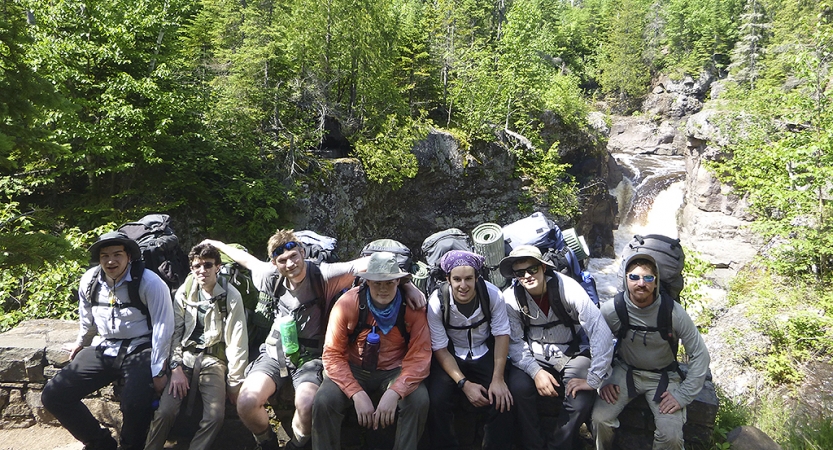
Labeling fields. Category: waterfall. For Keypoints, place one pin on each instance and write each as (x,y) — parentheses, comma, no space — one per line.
(649,196)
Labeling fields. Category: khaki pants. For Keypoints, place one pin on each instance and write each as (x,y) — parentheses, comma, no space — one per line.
(669,427)
(212,389)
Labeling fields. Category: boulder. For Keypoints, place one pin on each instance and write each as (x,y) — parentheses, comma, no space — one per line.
(747,437)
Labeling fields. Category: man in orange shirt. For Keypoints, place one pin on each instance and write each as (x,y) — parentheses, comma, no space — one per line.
(356,366)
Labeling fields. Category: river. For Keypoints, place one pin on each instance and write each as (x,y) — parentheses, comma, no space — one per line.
(649,197)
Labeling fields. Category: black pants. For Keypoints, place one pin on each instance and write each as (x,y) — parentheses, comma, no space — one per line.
(574,411)
(442,392)
(86,374)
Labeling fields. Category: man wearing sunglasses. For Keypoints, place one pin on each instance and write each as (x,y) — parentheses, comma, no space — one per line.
(291,286)
(561,344)
(646,362)
(209,352)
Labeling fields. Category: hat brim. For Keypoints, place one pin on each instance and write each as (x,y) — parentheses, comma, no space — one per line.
(507,263)
(129,244)
(382,276)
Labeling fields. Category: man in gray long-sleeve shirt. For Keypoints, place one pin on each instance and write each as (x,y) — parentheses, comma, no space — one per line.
(559,338)
(645,362)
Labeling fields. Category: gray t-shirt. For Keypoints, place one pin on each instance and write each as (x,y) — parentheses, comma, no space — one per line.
(336,277)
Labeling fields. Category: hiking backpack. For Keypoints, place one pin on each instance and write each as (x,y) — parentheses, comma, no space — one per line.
(539,231)
(160,248)
(403,253)
(670,259)
(482,294)
(557,306)
(434,247)
(317,247)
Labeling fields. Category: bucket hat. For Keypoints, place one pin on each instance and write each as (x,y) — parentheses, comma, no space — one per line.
(383,266)
(115,238)
(519,253)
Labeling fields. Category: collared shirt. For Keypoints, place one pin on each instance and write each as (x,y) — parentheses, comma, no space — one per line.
(109,327)
(546,345)
(499,325)
(232,332)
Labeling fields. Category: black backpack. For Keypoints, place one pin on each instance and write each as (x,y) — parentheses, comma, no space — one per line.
(317,247)
(482,294)
(362,324)
(160,248)
(434,247)
(562,318)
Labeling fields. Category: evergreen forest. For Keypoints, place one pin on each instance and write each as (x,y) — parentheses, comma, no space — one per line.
(218,112)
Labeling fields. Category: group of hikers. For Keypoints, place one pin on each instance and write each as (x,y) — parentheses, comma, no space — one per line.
(396,358)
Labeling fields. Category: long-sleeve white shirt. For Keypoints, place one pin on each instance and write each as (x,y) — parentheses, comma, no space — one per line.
(107,327)
(547,343)
(499,325)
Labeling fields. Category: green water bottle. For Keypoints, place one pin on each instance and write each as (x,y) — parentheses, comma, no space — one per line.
(289,338)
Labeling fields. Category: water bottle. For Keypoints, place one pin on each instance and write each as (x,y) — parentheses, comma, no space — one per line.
(289,335)
(371,351)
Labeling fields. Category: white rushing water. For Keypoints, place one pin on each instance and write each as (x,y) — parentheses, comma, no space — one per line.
(649,198)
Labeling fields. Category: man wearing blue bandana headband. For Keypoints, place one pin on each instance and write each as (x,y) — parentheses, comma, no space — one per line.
(300,290)
(374,344)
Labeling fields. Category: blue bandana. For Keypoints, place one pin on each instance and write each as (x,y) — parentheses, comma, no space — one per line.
(386,317)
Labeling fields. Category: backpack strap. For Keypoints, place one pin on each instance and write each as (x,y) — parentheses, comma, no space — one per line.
(137,269)
(361,323)
(482,294)
(557,306)
(664,328)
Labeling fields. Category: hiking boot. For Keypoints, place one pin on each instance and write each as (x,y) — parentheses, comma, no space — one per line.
(105,442)
(293,445)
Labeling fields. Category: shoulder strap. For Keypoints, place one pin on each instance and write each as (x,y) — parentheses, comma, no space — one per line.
(664,324)
(361,323)
(523,305)
(482,293)
(137,269)
(445,302)
(557,305)
(624,319)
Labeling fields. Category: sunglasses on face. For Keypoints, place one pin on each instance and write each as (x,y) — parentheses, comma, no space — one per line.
(532,270)
(647,278)
(206,265)
(285,247)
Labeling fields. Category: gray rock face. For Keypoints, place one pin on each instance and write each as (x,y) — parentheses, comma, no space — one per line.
(454,187)
(640,135)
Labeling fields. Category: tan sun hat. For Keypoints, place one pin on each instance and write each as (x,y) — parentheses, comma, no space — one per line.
(520,253)
(383,266)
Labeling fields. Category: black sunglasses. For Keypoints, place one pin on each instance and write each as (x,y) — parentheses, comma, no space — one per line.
(285,247)
(206,265)
(532,270)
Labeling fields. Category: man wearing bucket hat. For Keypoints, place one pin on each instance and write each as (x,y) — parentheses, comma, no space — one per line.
(126,326)
(470,340)
(561,343)
(291,287)
(646,362)
(375,344)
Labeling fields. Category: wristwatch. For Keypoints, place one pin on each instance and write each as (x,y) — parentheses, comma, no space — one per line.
(462,382)
(173,365)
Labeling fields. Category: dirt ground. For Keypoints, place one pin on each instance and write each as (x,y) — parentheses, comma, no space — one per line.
(38,437)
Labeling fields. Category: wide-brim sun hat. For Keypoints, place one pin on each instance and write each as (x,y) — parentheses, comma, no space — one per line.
(519,253)
(115,238)
(383,266)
